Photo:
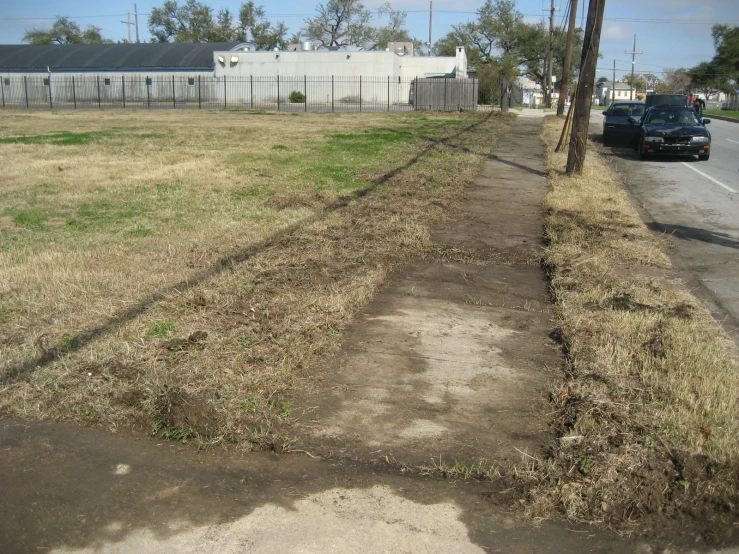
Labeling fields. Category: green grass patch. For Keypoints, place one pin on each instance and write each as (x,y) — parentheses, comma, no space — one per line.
(161,329)
(61,138)
(727,113)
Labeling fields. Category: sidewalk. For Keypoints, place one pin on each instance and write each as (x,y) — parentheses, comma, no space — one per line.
(451,359)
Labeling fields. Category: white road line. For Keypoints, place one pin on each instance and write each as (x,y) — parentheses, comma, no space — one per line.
(735,142)
(719,183)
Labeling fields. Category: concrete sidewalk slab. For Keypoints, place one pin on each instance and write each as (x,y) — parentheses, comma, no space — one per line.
(453,359)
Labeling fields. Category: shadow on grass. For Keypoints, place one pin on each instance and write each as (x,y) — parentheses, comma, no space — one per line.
(79,341)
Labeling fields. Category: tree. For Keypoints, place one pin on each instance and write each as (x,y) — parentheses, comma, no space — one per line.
(340,23)
(726,43)
(447,46)
(534,51)
(66,31)
(677,81)
(638,83)
(194,21)
(394,31)
(602,80)
(254,27)
(706,78)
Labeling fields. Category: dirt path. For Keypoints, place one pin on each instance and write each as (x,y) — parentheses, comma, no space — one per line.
(448,362)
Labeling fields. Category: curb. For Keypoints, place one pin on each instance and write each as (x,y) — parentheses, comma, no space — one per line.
(722,118)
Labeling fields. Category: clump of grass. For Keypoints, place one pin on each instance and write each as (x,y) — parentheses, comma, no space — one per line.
(646,420)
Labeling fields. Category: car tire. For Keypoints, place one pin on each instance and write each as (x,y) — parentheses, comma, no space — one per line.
(640,149)
(704,158)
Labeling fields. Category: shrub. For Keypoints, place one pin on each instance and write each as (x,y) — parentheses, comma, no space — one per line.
(297,97)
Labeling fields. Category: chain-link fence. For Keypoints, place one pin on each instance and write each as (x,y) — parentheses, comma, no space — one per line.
(310,94)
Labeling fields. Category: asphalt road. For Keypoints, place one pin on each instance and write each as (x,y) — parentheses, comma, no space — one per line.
(698,204)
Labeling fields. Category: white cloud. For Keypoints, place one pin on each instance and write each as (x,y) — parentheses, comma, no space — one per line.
(614,31)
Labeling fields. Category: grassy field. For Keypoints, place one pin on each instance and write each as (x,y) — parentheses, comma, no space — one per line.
(727,113)
(182,272)
(646,422)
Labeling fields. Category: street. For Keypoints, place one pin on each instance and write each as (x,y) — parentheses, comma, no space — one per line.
(697,203)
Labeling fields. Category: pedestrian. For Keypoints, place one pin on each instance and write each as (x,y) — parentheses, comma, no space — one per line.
(698,105)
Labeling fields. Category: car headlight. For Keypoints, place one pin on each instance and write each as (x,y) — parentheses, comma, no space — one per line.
(653,139)
(699,139)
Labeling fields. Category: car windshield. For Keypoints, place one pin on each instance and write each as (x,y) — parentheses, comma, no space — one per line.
(669,116)
(627,110)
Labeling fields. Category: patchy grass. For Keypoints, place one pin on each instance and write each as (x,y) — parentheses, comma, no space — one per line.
(646,421)
(184,282)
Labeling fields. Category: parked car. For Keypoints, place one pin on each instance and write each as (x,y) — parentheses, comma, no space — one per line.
(675,130)
(617,131)
(666,100)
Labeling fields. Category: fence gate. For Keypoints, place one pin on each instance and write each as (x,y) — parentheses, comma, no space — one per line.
(444,94)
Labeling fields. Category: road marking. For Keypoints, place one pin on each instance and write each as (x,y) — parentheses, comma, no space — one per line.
(735,142)
(719,183)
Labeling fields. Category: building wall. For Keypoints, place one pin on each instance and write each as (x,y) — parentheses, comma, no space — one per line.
(325,63)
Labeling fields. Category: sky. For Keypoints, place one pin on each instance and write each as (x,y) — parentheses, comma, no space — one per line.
(670,33)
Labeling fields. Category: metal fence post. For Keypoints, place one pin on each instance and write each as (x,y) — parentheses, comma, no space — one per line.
(224,93)
(51,104)
(123,84)
(305,93)
(445,93)
(332,93)
(388,93)
(360,93)
(278,93)
(148,92)
(74,93)
(98,79)
(174,95)
(200,104)
(2,90)
(251,90)
(25,87)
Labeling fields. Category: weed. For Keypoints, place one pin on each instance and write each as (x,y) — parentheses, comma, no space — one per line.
(249,342)
(177,435)
(287,411)
(161,329)
(585,466)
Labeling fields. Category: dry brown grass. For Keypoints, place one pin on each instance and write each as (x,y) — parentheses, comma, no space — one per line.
(647,422)
(183,272)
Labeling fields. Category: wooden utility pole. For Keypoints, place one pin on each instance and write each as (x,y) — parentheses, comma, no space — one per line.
(563,85)
(431,20)
(584,96)
(548,88)
(128,25)
(136,19)
(633,63)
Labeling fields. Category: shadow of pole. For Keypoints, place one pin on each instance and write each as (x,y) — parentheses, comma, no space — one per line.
(80,340)
(693,233)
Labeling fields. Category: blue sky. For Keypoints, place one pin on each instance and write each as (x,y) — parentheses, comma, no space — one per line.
(671,33)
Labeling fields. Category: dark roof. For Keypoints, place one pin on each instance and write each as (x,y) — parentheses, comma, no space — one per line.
(111,57)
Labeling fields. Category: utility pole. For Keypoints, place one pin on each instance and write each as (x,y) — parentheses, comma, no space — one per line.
(128,26)
(549,87)
(584,95)
(563,85)
(633,62)
(136,19)
(431,14)
(613,87)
